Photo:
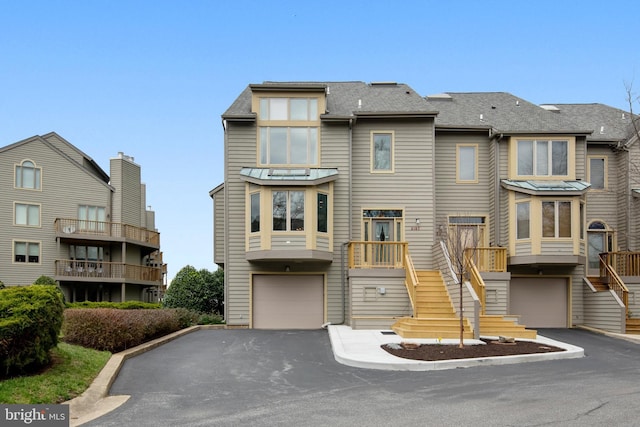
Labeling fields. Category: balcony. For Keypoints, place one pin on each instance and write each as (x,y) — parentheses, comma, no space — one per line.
(389,255)
(107,272)
(75,229)
(489,260)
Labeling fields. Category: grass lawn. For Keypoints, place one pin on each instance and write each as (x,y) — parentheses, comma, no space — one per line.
(72,370)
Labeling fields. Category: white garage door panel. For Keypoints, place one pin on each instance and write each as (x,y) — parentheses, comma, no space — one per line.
(288,302)
(540,302)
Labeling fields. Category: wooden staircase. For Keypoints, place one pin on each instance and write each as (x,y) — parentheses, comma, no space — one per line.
(633,326)
(496,325)
(434,315)
(598,283)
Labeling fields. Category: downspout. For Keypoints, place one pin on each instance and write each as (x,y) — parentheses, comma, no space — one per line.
(628,195)
(343,252)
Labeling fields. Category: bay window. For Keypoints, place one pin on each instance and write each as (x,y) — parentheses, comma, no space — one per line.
(288,210)
(556,219)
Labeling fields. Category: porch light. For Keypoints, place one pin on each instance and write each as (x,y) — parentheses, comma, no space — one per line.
(417,221)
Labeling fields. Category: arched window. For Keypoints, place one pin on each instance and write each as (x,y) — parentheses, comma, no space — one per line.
(28,175)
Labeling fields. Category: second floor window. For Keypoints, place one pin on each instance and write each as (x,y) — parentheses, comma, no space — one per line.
(288,145)
(556,219)
(28,176)
(597,172)
(523,220)
(92,217)
(382,152)
(27,214)
(288,210)
(542,158)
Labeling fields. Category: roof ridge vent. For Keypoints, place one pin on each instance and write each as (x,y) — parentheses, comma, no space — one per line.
(549,107)
(384,84)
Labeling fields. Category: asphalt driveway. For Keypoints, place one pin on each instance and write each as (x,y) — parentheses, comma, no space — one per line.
(290,378)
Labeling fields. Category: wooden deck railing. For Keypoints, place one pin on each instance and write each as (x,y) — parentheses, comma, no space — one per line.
(624,263)
(377,254)
(491,260)
(614,281)
(77,227)
(98,270)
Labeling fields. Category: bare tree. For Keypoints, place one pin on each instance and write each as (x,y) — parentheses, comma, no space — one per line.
(461,241)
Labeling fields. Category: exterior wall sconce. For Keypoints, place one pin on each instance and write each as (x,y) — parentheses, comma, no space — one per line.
(417,221)
(287,268)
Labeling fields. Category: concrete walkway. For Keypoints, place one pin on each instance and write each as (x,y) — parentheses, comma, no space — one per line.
(356,348)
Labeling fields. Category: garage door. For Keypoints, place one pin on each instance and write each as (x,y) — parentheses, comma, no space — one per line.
(540,302)
(288,301)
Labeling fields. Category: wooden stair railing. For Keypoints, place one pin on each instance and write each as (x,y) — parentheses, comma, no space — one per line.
(411,279)
(615,282)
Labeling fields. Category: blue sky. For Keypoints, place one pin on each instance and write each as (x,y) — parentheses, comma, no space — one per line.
(151,78)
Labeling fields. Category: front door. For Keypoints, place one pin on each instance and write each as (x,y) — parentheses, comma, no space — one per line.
(596,241)
(383,254)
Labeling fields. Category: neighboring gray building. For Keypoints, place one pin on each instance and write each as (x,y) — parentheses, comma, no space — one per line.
(62,216)
(337,196)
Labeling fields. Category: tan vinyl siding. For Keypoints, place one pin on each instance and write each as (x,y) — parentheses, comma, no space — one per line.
(581,158)
(603,310)
(557,247)
(240,152)
(334,152)
(219,227)
(57,199)
(601,203)
(125,177)
(373,308)
(496,293)
(503,238)
(461,198)
(410,187)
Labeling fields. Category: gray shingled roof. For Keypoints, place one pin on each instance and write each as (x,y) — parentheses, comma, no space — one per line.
(343,99)
(501,111)
(609,124)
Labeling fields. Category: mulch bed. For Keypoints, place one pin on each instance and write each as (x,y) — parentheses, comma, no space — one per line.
(431,352)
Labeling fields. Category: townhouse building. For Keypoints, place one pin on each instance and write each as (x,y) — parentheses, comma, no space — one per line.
(340,201)
(63,216)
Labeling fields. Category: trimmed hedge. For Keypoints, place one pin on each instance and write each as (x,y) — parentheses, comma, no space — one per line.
(115,330)
(127,305)
(30,322)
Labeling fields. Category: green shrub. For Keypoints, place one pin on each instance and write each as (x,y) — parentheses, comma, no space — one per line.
(30,322)
(127,305)
(198,290)
(115,330)
(1,285)
(186,317)
(45,280)
(210,319)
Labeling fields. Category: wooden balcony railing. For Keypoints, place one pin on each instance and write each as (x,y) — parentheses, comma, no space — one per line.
(489,260)
(99,270)
(76,227)
(377,254)
(624,263)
